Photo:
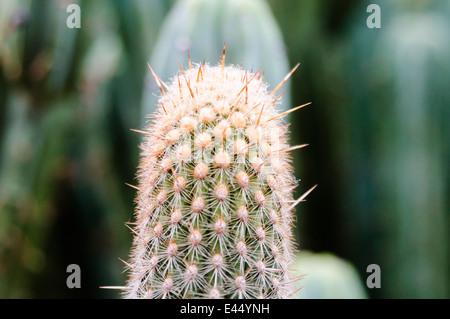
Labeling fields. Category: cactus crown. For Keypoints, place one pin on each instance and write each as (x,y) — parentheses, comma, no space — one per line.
(214,202)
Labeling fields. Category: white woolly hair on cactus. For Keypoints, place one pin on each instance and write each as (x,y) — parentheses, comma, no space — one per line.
(214,205)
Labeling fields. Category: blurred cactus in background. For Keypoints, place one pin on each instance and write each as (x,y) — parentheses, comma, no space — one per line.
(200,28)
(63,133)
(398,130)
(380,135)
(326,276)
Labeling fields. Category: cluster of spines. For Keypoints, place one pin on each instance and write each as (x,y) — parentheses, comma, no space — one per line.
(214,204)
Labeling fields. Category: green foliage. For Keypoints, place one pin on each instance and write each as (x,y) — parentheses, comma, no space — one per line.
(62,129)
(379,135)
(398,115)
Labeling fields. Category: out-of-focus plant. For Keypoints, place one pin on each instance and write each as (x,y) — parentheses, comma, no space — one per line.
(201,27)
(378,127)
(64,128)
(326,276)
(397,146)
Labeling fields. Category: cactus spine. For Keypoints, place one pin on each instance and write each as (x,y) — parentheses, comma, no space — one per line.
(214,201)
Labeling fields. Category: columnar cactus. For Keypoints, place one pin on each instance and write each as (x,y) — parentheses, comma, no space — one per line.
(214,202)
(249,28)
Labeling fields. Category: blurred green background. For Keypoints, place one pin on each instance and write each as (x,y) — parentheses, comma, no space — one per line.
(378,131)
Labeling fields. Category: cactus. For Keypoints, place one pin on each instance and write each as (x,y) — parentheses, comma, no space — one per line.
(398,129)
(327,277)
(67,100)
(214,202)
(248,27)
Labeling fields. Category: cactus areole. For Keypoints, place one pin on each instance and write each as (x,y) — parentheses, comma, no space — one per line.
(214,206)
